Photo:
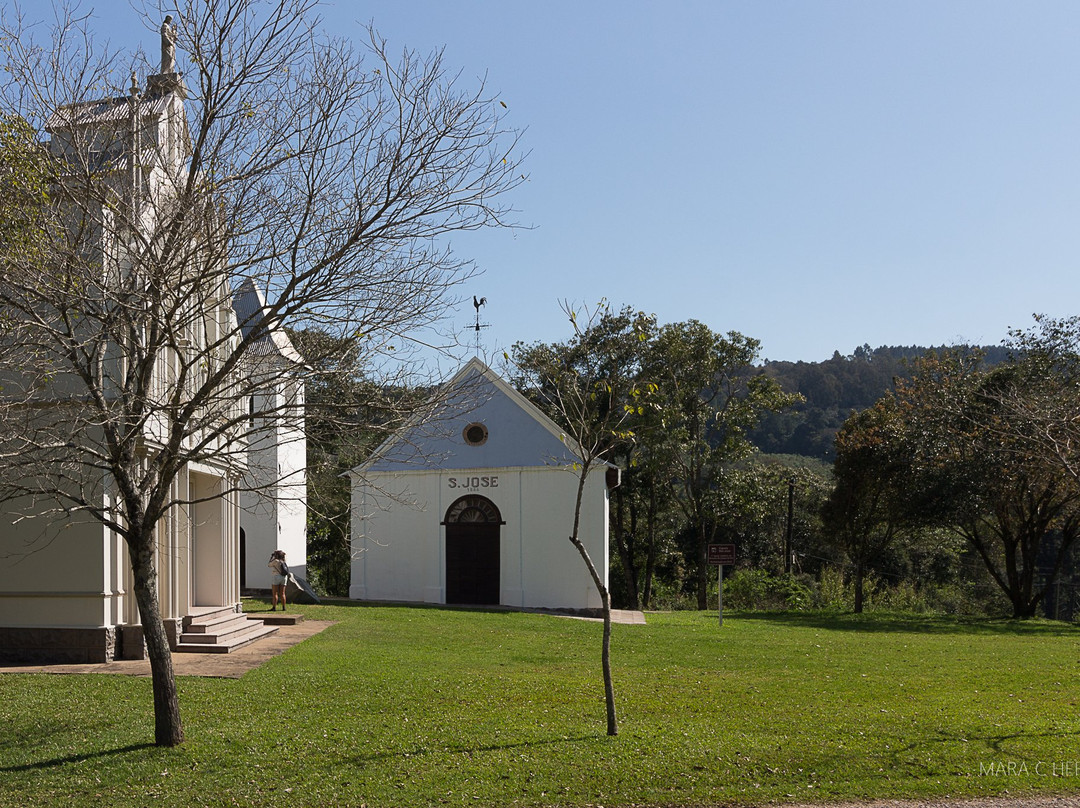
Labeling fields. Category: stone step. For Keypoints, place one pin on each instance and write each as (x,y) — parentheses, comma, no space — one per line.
(278,618)
(198,643)
(209,617)
(218,632)
(213,623)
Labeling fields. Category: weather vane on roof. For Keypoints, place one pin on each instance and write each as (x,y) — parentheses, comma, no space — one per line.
(477,303)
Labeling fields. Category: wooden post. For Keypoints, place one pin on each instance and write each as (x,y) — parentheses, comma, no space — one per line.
(790,518)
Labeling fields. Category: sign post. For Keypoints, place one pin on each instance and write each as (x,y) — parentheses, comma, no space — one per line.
(719,555)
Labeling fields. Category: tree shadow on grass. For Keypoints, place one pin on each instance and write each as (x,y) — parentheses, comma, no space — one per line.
(345,603)
(959,753)
(80,758)
(995,741)
(868,622)
(885,622)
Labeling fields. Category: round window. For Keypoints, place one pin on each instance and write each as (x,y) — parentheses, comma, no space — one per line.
(475,434)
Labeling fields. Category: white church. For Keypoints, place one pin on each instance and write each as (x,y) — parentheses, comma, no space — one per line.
(67,591)
(474,506)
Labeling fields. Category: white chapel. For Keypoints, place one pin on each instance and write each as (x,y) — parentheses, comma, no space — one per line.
(474,505)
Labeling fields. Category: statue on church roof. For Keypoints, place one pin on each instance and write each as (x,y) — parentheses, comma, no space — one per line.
(168,46)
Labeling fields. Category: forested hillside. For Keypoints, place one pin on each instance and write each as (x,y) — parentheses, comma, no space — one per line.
(833,389)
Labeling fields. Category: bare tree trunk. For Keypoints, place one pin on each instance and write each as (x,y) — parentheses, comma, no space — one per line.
(1024,609)
(605,657)
(605,654)
(168,729)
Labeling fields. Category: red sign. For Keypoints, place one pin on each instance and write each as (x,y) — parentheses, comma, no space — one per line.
(720,554)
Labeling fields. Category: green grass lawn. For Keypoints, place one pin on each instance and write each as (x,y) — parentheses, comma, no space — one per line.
(414,706)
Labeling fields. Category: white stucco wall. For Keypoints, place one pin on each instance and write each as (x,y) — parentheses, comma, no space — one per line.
(72,572)
(59,573)
(274,517)
(399,544)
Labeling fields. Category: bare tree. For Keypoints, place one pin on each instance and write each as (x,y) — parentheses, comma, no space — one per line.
(590,387)
(262,150)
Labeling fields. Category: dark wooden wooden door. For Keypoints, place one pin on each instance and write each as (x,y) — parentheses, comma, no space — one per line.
(472,563)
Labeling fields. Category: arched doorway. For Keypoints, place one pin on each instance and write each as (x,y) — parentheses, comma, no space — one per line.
(472,551)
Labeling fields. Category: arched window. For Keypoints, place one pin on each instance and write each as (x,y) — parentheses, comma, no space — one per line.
(473,508)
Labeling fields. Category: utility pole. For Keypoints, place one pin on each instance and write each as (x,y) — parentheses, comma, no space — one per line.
(790,519)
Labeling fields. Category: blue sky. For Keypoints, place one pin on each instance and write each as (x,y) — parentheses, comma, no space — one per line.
(812,174)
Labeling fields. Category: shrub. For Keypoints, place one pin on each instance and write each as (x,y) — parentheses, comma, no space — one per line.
(904,597)
(670,597)
(757,590)
(834,592)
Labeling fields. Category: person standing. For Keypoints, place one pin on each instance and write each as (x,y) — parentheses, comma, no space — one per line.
(279,577)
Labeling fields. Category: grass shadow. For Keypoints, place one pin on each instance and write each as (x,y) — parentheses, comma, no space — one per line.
(867,622)
(346,603)
(890,622)
(82,758)
(996,742)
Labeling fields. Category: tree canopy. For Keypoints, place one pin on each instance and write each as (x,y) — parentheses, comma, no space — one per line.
(684,398)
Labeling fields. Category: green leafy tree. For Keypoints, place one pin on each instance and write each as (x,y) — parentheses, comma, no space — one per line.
(26,172)
(645,520)
(709,397)
(871,505)
(969,442)
(348,415)
(1042,410)
(756,519)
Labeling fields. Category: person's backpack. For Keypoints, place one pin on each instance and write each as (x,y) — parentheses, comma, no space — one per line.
(284,567)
